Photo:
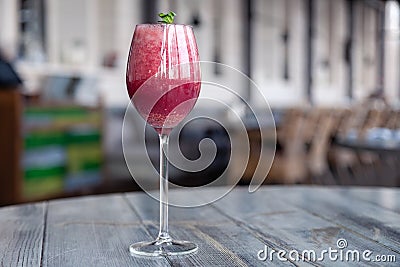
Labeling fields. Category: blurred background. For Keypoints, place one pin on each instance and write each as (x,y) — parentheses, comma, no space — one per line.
(330,70)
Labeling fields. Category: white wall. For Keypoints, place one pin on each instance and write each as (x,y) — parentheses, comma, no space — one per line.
(267,51)
(329,81)
(103,26)
(392,57)
(365,57)
(9,27)
(112,82)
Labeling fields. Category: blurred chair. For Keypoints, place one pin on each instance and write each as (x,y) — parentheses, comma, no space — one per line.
(348,166)
(290,165)
(393,120)
(351,167)
(313,116)
(375,118)
(317,156)
(342,161)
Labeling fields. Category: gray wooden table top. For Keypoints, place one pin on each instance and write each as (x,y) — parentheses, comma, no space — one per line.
(97,230)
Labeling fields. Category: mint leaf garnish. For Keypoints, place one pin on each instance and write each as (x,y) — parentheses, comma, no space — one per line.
(167,18)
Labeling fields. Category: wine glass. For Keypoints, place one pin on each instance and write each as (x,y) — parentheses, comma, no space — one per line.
(163,81)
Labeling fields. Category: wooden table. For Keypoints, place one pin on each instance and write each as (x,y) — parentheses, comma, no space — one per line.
(97,230)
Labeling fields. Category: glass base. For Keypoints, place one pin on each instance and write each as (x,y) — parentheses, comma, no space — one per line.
(157,248)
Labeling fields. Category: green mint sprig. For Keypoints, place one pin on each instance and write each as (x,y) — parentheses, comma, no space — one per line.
(167,18)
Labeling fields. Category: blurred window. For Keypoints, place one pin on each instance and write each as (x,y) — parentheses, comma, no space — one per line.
(32,21)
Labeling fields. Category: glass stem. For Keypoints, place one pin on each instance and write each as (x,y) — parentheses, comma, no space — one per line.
(163,235)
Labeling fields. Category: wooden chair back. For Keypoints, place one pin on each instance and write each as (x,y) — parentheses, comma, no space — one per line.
(320,144)
(289,166)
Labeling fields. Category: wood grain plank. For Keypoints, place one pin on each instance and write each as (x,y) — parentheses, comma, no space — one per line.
(207,255)
(301,231)
(384,197)
(244,207)
(209,229)
(21,235)
(215,248)
(94,231)
(149,208)
(181,227)
(364,218)
(97,231)
(239,240)
(292,228)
